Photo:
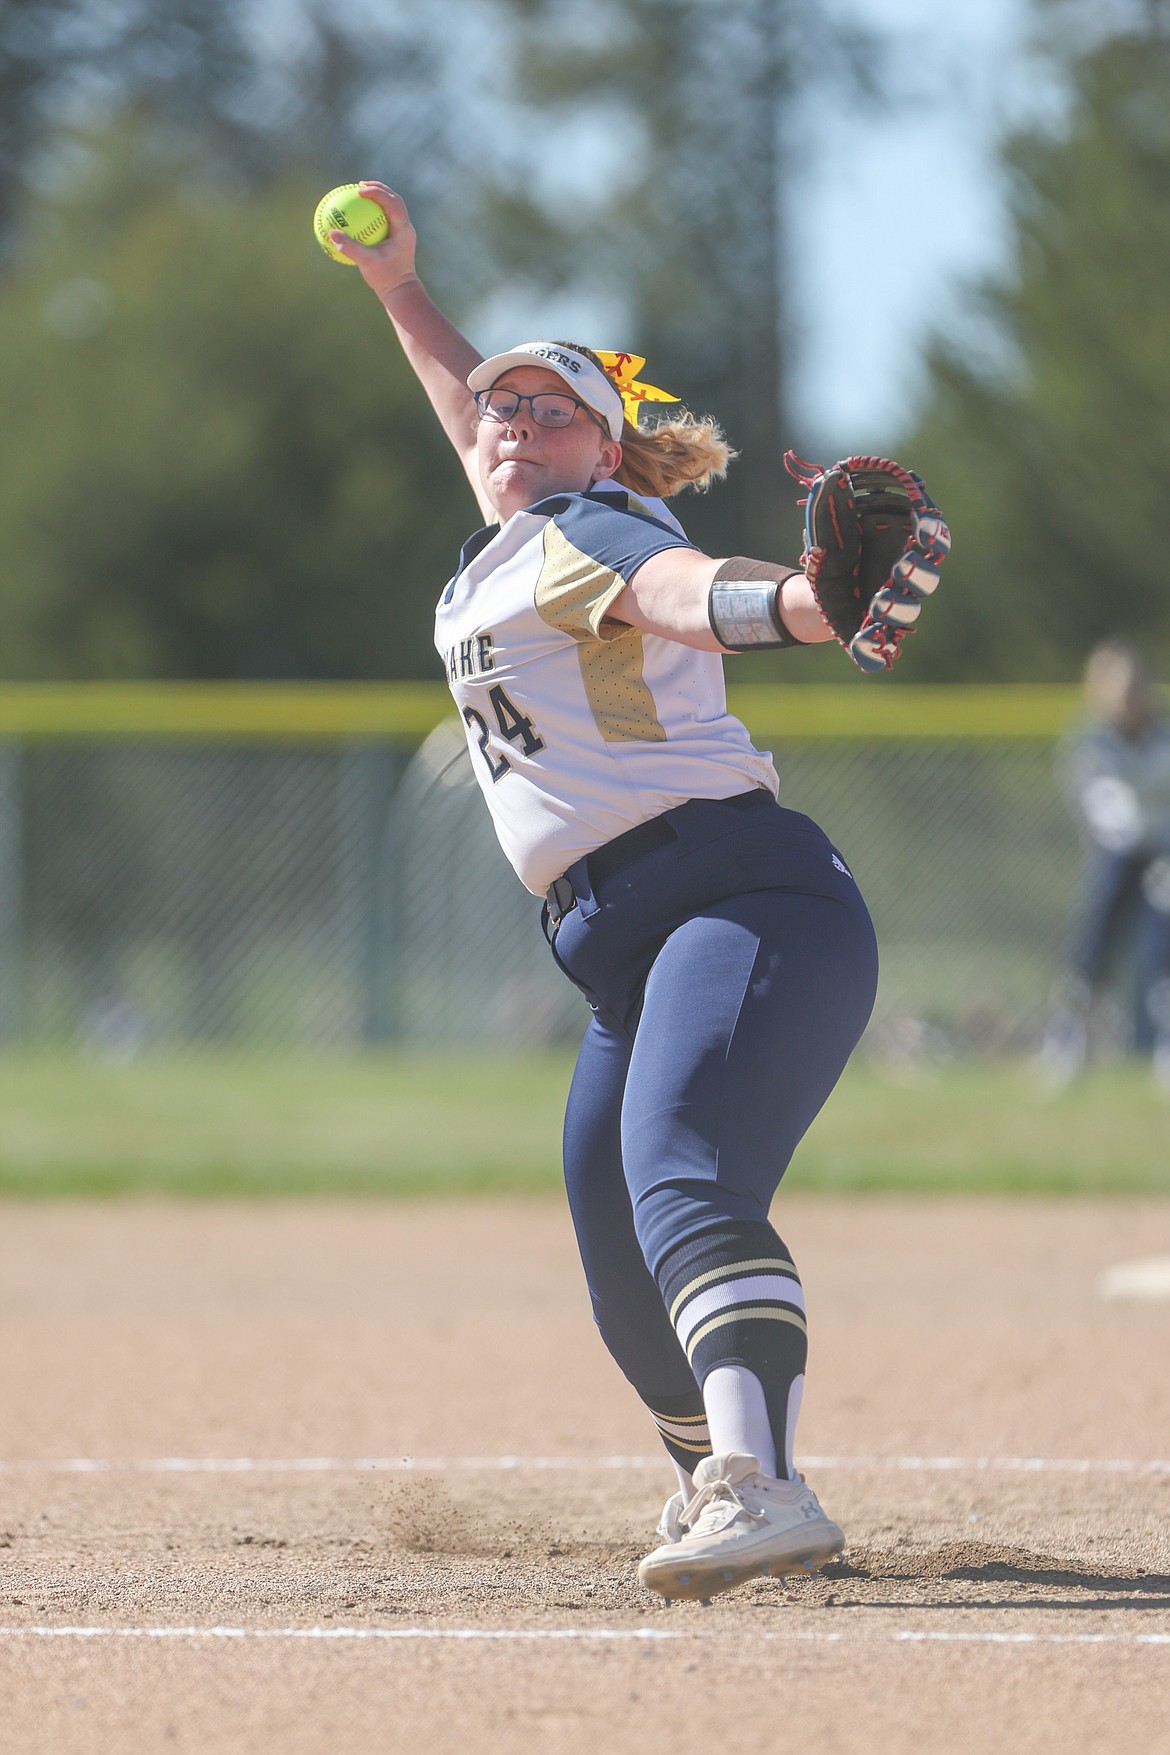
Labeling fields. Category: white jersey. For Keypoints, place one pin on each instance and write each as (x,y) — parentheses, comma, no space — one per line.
(580,727)
(1120,787)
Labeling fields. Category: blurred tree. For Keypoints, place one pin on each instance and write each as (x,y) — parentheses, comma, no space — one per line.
(252,95)
(216,462)
(695,131)
(187,61)
(1050,448)
(28,34)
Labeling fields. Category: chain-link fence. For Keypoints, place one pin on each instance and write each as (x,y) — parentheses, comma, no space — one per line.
(965,852)
(176,893)
(167,894)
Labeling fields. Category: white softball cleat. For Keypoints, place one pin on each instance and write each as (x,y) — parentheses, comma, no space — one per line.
(740,1524)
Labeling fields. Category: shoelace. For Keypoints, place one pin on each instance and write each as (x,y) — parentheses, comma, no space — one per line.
(705,1498)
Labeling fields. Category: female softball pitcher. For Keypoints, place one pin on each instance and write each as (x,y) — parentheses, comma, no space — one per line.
(720,940)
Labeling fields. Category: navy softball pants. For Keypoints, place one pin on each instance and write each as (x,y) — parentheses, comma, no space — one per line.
(730,973)
(1123,897)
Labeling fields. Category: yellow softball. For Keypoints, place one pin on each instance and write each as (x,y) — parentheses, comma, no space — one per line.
(345,210)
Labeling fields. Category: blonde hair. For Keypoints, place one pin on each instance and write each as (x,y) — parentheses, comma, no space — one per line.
(682,451)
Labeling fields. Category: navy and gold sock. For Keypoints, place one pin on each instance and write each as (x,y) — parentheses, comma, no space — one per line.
(682,1427)
(734,1298)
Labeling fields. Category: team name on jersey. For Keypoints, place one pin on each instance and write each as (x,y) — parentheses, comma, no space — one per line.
(473,657)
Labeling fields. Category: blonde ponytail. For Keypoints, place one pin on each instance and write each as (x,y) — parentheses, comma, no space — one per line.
(682,451)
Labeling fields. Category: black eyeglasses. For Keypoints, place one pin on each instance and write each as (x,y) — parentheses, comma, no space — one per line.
(549,407)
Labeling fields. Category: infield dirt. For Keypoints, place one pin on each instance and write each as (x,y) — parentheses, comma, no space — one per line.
(957,1619)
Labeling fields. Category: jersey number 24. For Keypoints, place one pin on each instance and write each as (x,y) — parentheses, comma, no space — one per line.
(514,725)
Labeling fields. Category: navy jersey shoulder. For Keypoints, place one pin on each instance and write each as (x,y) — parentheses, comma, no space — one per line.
(603,525)
(608,528)
(477,541)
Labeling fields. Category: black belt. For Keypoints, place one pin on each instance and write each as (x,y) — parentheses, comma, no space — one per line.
(613,856)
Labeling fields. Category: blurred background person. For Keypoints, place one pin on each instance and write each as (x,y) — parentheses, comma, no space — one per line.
(1116,774)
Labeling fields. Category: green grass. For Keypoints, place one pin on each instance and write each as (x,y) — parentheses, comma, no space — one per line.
(208,1125)
(395,1124)
(981,1127)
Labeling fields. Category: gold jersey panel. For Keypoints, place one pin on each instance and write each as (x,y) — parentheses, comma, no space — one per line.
(573,594)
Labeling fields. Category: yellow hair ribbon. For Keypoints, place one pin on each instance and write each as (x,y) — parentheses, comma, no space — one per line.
(624,369)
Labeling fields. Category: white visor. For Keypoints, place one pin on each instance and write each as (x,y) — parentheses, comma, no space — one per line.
(587,381)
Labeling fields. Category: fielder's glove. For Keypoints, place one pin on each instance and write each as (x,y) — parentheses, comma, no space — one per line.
(873,544)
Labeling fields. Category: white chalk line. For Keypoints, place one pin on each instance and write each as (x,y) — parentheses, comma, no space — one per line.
(541,1635)
(232,1465)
